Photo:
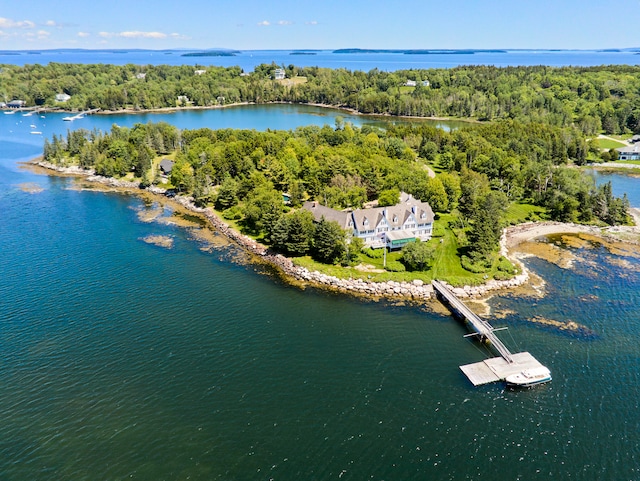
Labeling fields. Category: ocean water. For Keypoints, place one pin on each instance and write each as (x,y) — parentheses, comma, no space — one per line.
(121,359)
(248,59)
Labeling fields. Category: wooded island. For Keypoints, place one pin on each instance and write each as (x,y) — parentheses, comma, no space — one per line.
(476,179)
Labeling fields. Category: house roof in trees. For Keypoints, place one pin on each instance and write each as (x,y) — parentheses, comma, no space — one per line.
(632,149)
(319,211)
(394,216)
(166,166)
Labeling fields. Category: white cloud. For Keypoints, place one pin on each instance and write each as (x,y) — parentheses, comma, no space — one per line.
(285,22)
(312,22)
(39,35)
(264,23)
(139,34)
(8,23)
(50,23)
(84,34)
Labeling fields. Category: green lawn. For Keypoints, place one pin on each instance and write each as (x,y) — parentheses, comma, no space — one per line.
(635,162)
(518,213)
(446,263)
(608,144)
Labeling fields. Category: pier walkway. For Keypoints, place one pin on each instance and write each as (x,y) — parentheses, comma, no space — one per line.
(489,370)
(80,115)
(482,327)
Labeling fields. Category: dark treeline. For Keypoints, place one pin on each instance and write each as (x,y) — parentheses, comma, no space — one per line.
(244,173)
(593,99)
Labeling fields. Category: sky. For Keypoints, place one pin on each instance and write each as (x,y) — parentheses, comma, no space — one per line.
(318,24)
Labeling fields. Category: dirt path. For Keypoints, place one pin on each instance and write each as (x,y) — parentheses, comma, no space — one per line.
(601,136)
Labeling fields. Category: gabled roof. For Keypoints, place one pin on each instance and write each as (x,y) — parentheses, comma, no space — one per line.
(394,216)
(632,149)
(166,165)
(320,211)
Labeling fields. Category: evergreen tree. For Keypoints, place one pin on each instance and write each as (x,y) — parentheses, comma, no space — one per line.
(328,242)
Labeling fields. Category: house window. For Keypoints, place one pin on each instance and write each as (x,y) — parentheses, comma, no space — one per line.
(423,215)
(395,218)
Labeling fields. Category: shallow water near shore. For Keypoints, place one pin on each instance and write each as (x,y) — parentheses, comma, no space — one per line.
(125,359)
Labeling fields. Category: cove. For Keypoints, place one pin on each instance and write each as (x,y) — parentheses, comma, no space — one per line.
(124,359)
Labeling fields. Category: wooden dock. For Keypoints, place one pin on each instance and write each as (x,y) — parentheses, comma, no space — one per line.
(490,370)
(80,115)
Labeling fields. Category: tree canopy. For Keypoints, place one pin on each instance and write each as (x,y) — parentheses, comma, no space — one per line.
(592,99)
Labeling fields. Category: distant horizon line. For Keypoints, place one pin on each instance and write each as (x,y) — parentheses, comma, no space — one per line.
(354,49)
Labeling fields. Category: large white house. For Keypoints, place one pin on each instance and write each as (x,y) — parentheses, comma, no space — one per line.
(378,227)
(629,153)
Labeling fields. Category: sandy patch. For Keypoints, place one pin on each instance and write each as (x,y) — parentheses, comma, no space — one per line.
(180,221)
(568,326)
(209,240)
(150,215)
(549,252)
(159,240)
(367,268)
(31,188)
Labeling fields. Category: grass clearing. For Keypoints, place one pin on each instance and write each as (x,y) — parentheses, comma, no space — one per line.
(518,213)
(608,144)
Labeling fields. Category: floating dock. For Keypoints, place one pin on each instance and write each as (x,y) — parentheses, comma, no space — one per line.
(490,370)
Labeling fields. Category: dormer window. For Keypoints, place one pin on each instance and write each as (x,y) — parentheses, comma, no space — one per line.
(423,215)
(365,221)
(395,218)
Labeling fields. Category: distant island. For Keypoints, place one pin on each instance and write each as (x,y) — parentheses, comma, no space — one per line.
(212,53)
(417,51)
(303,53)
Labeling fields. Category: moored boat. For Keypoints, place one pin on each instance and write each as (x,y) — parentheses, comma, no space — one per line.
(529,377)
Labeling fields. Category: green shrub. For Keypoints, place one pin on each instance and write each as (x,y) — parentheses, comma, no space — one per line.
(373,253)
(232,213)
(506,267)
(475,267)
(395,266)
(502,276)
(438,230)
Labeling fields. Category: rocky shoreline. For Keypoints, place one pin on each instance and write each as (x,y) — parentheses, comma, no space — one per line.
(415,290)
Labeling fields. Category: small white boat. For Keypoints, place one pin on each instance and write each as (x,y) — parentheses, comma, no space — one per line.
(68,119)
(32,126)
(35,132)
(529,377)
(9,112)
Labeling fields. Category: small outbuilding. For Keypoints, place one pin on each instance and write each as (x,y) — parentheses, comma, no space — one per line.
(16,104)
(166,166)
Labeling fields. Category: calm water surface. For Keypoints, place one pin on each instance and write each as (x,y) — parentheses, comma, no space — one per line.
(249,59)
(125,360)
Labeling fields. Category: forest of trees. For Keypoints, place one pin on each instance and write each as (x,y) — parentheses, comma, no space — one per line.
(244,173)
(592,99)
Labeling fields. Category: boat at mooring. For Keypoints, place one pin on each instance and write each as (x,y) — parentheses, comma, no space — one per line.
(529,377)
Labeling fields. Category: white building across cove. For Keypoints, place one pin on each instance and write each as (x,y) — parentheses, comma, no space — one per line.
(392,226)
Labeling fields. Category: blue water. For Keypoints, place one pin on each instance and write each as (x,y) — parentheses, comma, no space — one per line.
(248,59)
(125,360)
(33,129)
(621,184)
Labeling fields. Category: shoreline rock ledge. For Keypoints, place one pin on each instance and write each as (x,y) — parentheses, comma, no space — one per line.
(414,290)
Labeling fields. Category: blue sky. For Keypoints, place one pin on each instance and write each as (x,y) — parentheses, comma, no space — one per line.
(319,24)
